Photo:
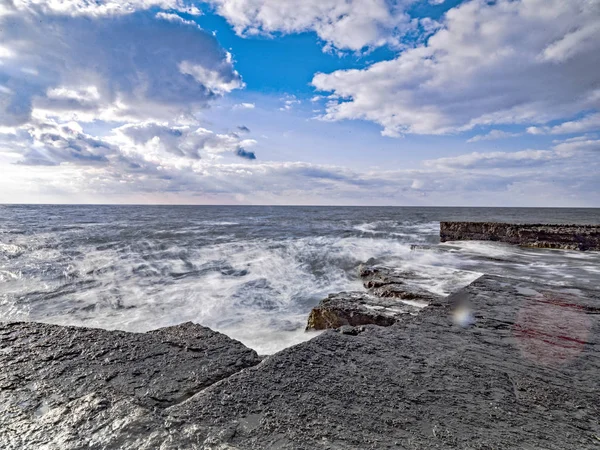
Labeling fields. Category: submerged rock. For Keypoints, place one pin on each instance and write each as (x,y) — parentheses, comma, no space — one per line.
(568,237)
(390,295)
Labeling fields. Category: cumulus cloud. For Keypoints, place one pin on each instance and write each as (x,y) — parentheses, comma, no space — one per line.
(49,143)
(138,78)
(158,160)
(181,141)
(98,101)
(112,68)
(211,78)
(170,17)
(349,24)
(503,62)
(103,7)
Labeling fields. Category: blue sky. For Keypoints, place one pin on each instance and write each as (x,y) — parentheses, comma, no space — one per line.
(387,102)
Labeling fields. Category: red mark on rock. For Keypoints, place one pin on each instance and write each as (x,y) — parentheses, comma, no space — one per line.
(552,328)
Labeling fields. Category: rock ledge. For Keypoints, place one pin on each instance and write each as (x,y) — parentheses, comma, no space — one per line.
(568,237)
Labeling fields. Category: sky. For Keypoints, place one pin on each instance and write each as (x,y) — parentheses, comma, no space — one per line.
(312,102)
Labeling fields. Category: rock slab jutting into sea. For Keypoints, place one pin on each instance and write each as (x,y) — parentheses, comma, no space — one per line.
(502,363)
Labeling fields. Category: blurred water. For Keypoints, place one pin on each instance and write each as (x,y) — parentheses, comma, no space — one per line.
(253,273)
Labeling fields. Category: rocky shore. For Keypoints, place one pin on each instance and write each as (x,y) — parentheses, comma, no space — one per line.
(388,297)
(568,237)
(501,363)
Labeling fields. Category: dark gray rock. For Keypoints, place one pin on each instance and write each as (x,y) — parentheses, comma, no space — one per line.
(53,376)
(387,282)
(568,237)
(523,375)
(521,372)
(390,295)
(356,308)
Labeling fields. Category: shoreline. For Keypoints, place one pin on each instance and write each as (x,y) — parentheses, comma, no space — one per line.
(426,380)
(500,363)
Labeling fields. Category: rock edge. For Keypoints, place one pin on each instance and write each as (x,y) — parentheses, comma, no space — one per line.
(567,237)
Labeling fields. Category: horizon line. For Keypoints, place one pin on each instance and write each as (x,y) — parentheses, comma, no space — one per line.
(293,205)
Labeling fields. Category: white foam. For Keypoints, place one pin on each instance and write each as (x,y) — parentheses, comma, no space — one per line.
(6,275)
(10,249)
(415,303)
(488,249)
(259,291)
(367,228)
(217,223)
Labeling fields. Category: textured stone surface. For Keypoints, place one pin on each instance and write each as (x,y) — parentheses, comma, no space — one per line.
(522,372)
(356,308)
(524,375)
(71,381)
(568,237)
(389,296)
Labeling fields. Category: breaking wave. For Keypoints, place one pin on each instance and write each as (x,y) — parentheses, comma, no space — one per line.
(252,273)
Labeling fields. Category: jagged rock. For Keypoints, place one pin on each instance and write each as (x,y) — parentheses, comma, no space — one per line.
(568,237)
(522,373)
(354,309)
(389,296)
(425,382)
(53,376)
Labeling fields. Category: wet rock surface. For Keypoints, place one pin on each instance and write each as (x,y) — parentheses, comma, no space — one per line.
(55,379)
(522,372)
(389,296)
(519,377)
(568,237)
(356,308)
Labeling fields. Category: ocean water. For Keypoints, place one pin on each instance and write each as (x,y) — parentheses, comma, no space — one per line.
(252,273)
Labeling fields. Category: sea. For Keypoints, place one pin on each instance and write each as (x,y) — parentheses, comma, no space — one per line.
(250,272)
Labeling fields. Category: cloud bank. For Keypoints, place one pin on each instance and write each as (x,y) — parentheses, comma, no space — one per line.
(491,63)
(346,25)
(100,102)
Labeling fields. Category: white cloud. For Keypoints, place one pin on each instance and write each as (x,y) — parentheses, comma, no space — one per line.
(349,24)
(213,79)
(584,144)
(110,68)
(590,122)
(197,165)
(103,7)
(181,141)
(137,80)
(494,160)
(493,135)
(49,143)
(578,40)
(170,17)
(485,66)
(244,106)
(288,102)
